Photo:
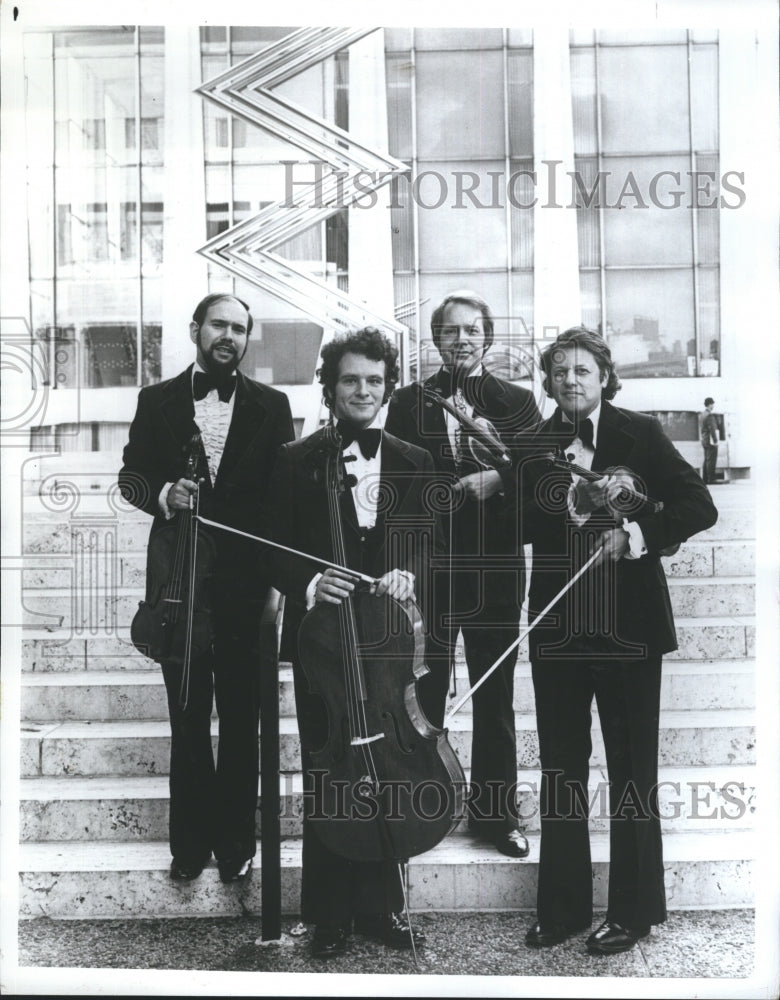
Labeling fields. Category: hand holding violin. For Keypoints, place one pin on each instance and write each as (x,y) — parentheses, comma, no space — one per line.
(609,491)
(481,485)
(179,494)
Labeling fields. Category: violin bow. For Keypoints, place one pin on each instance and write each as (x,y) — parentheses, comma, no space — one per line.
(363,577)
(524,632)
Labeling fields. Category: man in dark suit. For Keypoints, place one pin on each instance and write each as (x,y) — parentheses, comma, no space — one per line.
(479,586)
(386,531)
(242,425)
(606,637)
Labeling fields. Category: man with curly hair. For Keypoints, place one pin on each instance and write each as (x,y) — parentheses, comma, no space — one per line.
(386,531)
(604,639)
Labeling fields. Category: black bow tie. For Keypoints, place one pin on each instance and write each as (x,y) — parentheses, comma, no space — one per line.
(449,380)
(583,430)
(368,438)
(204,382)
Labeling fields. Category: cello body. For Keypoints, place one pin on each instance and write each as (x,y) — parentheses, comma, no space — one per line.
(387,784)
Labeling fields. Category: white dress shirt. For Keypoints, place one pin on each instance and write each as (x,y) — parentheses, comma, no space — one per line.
(212,417)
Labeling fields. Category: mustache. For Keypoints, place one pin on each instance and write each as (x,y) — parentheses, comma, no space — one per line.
(224,345)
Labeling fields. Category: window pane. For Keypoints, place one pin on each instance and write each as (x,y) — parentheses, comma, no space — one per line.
(643,36)
(452,236)
(397,39)
(522,219)
(520,324)
(457,38)
(95,93)
(590,299)
(583,100)
(644,99)
(708,219)
(520,38)
(285,353)
(399,105)
(704,96)
(460,104)
(650,327)
(587,197)
(520,92)
(709,320)
(651,235)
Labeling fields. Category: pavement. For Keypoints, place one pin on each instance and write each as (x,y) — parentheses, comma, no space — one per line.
(709,944)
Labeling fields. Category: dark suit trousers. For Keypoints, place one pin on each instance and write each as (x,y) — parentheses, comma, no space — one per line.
(628,698)
(710,461)
(493,747)
(213,808)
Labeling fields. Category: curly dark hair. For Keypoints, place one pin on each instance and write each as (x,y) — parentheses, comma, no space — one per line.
(466,298)
(370,343)
(202,308)
(586,340)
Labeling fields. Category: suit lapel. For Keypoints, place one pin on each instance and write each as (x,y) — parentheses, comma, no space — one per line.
(178,411)
(248,415)
(613,444)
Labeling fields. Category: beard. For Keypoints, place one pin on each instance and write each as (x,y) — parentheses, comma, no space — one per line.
(216,366)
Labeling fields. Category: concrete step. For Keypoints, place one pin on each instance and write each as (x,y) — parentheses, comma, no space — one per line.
(92,695)
(694,559)
(461,874)
(131,809)
(143,747)
(712,558)
(89,607)
(709,597)
(59,647)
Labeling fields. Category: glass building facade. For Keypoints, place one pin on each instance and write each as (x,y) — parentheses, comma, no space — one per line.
(641,174)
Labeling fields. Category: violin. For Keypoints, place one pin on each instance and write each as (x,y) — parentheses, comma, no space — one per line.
(486,447)
(387,784)
(626,501)
(174,622)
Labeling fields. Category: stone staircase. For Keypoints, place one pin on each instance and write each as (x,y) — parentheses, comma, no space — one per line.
(95,739)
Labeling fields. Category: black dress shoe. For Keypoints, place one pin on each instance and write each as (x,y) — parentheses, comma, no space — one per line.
(512,843)
(391,929)
(611,938)
(545,935)
(186,871)
(234,869)
(329,940)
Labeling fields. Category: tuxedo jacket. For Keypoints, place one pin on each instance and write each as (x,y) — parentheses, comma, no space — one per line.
(631,597)
(296,514)
(157,451)
(478,529)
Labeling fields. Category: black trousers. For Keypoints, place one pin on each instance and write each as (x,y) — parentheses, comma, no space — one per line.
(486,634)
(213,806)
(710,459)
(628,699)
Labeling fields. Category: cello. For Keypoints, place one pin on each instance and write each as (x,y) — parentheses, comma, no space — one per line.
(174,622)
(387,784)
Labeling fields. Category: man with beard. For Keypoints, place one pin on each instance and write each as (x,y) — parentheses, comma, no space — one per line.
(242,426)
(479,591)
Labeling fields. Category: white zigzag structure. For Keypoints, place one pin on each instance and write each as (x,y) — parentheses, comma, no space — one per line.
(247,249)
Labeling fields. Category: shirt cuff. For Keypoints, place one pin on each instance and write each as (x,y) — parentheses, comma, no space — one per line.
(636,540)
(163,501)
(310,591)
